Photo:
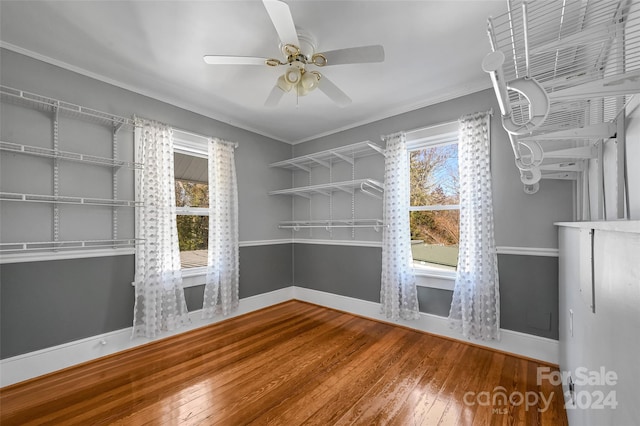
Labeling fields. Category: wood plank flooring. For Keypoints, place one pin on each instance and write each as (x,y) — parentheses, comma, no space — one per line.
(290,364)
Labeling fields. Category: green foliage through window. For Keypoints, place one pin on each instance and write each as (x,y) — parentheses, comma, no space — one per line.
(191,194)
(193,232)
(434,181)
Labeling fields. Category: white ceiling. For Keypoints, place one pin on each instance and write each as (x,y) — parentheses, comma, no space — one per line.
(433,52)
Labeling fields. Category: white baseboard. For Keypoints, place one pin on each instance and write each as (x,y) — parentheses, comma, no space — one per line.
(522,344)
(37,363)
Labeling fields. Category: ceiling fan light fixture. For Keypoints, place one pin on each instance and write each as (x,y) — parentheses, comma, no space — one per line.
(283,84)
(301,90)
(299,50)
(293,75)
(310,80)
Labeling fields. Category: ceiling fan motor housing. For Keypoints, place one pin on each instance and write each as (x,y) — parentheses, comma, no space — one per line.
(307,44)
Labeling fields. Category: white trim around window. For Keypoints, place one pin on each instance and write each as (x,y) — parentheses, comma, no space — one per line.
(434,207)
(192,211)
(438,135)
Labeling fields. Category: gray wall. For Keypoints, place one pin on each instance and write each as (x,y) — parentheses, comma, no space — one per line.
(44,304)
(48,303)
(528,284)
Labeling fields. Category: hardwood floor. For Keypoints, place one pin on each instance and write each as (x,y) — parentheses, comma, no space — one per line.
(293,363)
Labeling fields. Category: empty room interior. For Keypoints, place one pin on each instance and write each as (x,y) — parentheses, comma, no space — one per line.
(320,212)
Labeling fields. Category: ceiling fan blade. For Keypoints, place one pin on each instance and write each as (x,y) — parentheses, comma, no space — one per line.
(233,60)
(333,92)
(355,55)
(274,97)
(283,21)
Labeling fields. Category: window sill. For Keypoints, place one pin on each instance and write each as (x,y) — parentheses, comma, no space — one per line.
(434,278)
(193,277)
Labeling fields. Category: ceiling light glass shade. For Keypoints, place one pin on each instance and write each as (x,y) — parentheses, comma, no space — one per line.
(283,84)
(302,91)
(309,81)
(293,75)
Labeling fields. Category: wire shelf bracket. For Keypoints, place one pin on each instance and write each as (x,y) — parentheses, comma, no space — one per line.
(563,73)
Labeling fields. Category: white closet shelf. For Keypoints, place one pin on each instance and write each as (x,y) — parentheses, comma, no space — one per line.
(67,245)
(60,199)
(325,158)
(368,186)
(331,223)
(66,155)
(44,103)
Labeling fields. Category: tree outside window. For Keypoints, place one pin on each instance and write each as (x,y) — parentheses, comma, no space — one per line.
(192,210)
(435,211)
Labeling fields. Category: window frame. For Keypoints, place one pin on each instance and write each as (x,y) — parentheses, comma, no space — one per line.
(439,135)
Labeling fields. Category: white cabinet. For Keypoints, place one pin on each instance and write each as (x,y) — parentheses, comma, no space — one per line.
(599,307)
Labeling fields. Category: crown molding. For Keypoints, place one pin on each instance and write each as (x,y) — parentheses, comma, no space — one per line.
(135,89)
(465,90)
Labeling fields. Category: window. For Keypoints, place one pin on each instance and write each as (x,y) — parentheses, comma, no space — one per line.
(192,203)
(435,198)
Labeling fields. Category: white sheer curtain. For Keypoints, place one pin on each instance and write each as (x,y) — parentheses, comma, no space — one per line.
(398,294)
(159,296)
(221,289)
(475,309)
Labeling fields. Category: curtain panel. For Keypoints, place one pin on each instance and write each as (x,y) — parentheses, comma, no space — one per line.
(475,308)
(221,293)
(398,294)
(159,297)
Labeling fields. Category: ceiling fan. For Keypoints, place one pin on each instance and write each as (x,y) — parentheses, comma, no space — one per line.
(299,53)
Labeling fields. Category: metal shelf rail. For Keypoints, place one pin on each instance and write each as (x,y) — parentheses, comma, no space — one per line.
(63,199)
(563,72)
(329,224)
(66,155)
(325,158)
(367,186)
(67,245)
(44,103)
